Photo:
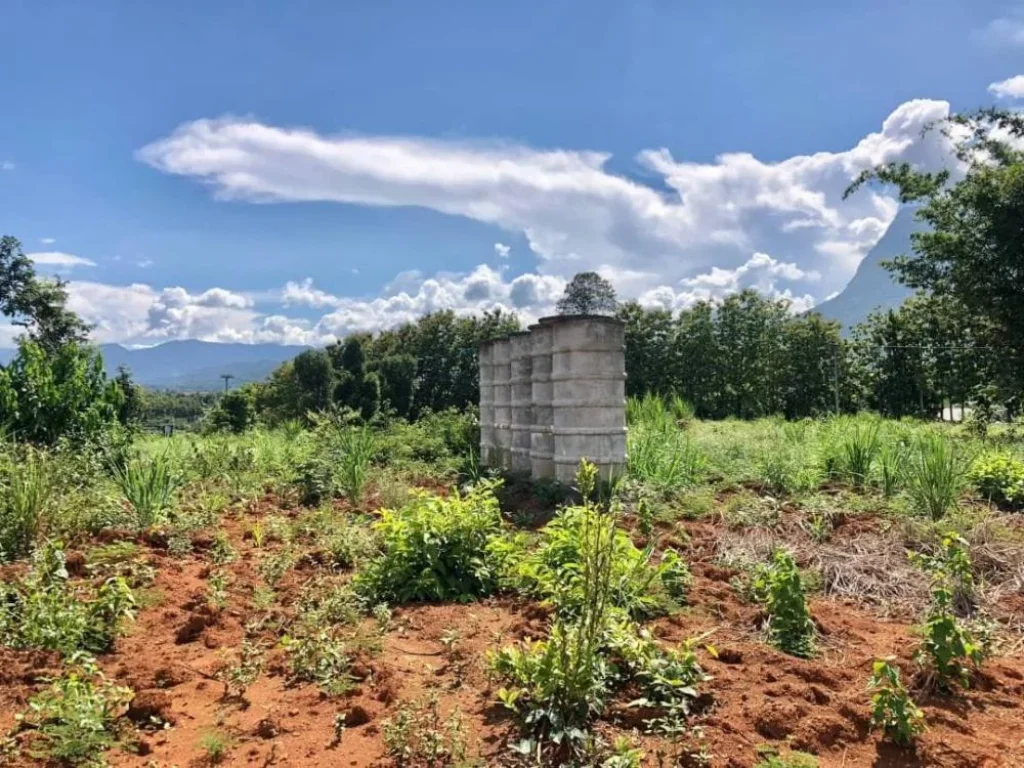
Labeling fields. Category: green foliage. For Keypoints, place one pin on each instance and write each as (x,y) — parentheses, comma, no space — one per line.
(25,495)
(588,294)
(46,610)
(418,735)
(319,658)
(772,758)
(860,448)
(47,395)
(935,474)
(658,451)
(950,648)
(216,746)
(999,477)
(75,718)
(357,447)
(235,411)
(148,485)
(892,709)
(435,548)
(781,588)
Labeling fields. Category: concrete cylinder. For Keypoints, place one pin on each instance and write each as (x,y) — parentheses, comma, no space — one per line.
(521,395)
(588,375)
(542,439)
(501,359)
(484,356)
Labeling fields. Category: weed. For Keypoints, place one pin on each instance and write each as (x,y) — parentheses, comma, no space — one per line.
(239,676)
(319,658)
(216,746)
(258,534)
(860,447)
(221,551)
(274,566)
(892,709)
(935,475)
(217,588)
(658,451)
(357,447)
(789,619)
(419,736)
(772,758)
(74,718)
(999,478)
(46,611)
(892,460)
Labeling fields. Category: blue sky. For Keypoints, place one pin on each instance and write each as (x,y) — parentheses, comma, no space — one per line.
(263,171)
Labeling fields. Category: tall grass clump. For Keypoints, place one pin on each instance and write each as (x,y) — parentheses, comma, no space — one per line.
(935,474)
(24,498)
(861,445)
(658,451)
(148,485)
(357,446)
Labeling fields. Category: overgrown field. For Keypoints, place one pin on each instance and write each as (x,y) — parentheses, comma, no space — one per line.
(842,592)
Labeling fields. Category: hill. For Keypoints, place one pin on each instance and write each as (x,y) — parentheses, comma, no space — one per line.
(873,286)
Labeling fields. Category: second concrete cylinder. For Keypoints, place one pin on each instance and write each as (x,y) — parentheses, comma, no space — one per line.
(521,400)
(501,366)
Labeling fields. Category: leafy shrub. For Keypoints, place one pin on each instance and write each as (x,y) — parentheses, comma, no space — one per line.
(999,477)
(789,620)
(148,485)
(435,548)
(74,718)
(935,475)
(46,611)
(892,709)
(23,500)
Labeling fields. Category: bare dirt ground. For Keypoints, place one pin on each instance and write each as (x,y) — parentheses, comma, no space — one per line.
(175,653)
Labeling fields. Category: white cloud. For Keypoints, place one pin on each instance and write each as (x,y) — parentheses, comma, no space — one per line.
(1004,31)
(144,263)
(1011,88)
(6,165)
(47,240)
(502,250)
(574,213)
(59,259)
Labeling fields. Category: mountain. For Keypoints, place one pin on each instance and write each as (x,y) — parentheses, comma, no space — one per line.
(197,365)
(873,286)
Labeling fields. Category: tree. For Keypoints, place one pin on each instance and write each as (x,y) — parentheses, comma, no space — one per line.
(236,410)
(314,379)
(397,378)
(35,303)
(132,405)
(973,249)
(588,294)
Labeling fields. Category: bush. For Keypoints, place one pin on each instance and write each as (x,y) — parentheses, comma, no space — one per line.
(435,548)
(46,611)
(789,619)
(999,477)
(892,709)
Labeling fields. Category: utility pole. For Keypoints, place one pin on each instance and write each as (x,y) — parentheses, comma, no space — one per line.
(227,378)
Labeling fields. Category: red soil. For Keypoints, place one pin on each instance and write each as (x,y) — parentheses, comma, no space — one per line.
(175,649)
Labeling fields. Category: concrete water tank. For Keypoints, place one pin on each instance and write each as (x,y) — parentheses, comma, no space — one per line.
(521,399)
(588,375)
(542,440)
(484,355)
(501,360)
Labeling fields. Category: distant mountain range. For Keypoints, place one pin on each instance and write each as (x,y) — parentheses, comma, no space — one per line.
(192,365)
(873,286)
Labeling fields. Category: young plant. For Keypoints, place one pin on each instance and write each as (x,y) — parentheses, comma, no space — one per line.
(419,736)
(216,746)
(319,658)
(860,448)
(780,586)
(950,649)
(892,461)
(935,475)
(75,717)
(892,709)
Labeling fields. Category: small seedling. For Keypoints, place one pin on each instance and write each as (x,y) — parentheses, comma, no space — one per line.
(892,709)
(789,619)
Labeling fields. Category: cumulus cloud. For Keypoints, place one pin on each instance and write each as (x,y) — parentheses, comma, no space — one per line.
(502,250)
(574,213)
(1011,88)
(59,259)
